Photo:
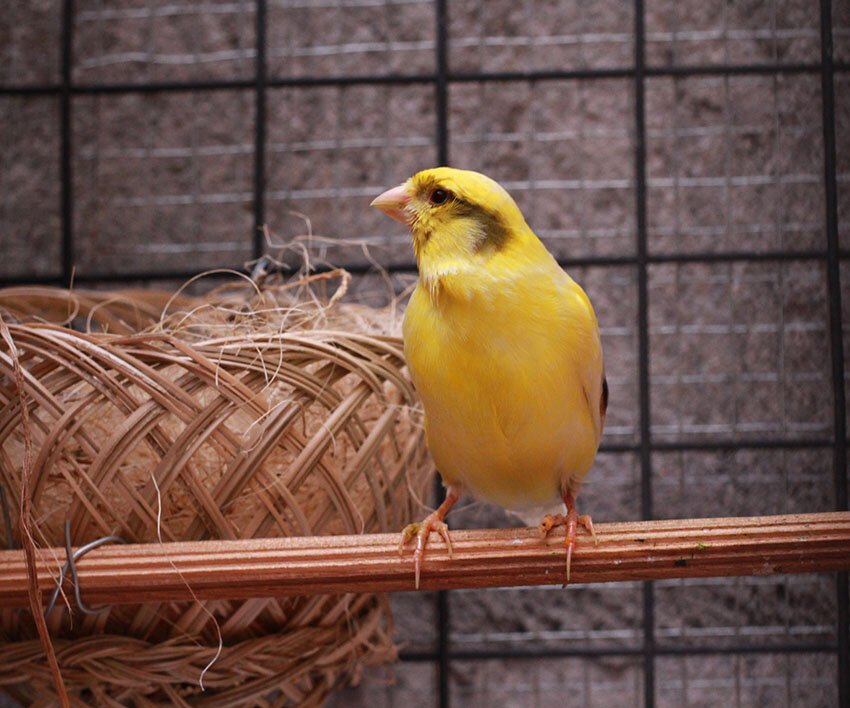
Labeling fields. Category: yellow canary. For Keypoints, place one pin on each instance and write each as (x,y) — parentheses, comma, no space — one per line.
(504,350)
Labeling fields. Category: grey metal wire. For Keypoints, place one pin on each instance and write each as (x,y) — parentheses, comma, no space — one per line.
(70,564)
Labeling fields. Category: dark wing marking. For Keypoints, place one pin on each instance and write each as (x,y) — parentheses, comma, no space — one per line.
(603,402)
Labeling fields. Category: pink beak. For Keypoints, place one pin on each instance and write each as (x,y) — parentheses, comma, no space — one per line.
(392,203)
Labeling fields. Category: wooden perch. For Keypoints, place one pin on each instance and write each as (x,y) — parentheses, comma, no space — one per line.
(797,543)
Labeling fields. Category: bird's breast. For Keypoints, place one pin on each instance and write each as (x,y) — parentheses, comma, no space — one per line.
(506,412)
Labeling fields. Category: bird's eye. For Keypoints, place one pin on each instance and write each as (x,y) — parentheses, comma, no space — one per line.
(439,196)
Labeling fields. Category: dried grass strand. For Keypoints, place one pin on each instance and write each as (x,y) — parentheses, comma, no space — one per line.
(25,522)
(192,592)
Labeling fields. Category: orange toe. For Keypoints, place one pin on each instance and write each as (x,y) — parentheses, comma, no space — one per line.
(422,531)
(572,521)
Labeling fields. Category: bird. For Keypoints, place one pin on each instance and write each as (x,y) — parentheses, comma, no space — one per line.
(503,348)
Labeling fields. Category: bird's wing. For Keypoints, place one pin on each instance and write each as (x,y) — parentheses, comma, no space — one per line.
(590,365)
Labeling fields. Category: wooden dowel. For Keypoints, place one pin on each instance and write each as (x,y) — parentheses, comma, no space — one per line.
(765,545)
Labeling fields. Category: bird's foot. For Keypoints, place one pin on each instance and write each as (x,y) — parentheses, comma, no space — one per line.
(571,520)
(421,530)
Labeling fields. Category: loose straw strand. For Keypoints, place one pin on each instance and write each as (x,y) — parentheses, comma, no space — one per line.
(27,542)
(192,592)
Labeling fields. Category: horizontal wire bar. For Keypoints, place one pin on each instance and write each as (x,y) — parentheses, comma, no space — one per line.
(424,78)
(749,256)
(410,266)
(225,84)
(120,277)
(745,444)
(628,72)
(578,651)
(723,444)
(131,87)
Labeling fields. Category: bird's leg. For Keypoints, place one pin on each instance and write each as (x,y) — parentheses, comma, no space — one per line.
(422,530)
(571,520)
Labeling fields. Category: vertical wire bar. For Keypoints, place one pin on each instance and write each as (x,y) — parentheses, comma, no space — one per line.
(66,175)
(441,91)
(443,648)
(833,262)
(643,343)
(837,345)
(441,86)
(260,131)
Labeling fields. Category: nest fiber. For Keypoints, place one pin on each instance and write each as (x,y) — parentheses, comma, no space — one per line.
(245,414)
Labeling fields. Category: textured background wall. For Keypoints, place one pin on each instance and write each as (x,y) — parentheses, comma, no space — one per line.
(163,182)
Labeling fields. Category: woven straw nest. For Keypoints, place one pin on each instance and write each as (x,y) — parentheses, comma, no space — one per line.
(242,414)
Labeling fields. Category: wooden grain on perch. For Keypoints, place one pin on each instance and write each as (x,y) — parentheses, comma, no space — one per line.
(763,545)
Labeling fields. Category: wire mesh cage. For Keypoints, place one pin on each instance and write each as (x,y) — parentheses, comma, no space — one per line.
(688,162)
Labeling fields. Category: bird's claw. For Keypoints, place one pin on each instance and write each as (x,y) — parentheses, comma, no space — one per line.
(587,522)
(421,530)
(571,520)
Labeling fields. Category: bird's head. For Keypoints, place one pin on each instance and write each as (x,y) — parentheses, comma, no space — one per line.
(455,216)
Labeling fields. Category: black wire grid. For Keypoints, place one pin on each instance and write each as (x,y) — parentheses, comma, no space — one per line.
(441,78)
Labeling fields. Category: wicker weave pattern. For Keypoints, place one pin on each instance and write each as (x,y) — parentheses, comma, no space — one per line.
(266,433)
